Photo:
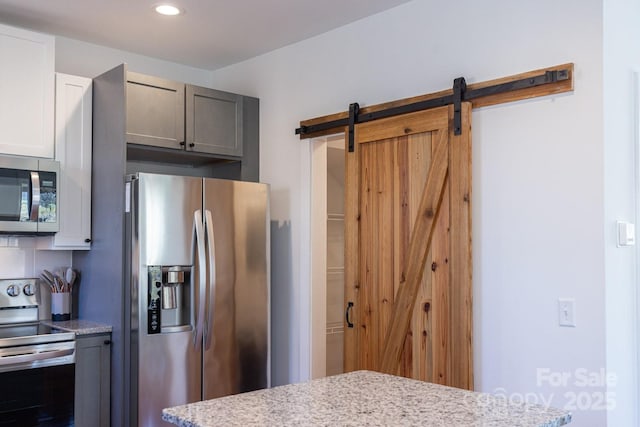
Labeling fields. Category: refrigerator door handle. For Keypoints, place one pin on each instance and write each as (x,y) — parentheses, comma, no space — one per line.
(202,276)
(211,250)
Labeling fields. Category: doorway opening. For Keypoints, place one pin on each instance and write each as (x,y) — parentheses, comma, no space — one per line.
(327,255)
(335,256)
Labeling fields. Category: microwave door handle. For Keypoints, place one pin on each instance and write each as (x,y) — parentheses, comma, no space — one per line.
(211,251)
(35,196)
(198,232)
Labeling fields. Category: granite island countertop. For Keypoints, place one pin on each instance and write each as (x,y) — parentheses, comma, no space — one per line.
(364,398)
(78,326)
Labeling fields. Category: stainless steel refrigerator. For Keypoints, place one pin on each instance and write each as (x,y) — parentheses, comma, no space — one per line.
(198,324)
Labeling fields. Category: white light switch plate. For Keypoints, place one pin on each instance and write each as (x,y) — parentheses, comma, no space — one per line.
(567,312)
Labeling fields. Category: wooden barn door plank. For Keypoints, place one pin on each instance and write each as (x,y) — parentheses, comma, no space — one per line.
(418,344)
(460,265)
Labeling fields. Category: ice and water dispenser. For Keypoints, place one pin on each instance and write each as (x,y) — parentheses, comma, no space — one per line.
(169,299)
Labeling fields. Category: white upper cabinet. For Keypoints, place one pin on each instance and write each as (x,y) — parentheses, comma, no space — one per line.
(73,151)
(26,92)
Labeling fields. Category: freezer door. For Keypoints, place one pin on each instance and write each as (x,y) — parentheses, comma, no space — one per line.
(167,369)
(236,345)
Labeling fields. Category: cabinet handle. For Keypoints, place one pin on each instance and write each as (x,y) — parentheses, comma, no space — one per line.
(87,240)
(107,342)
(192,145)
(182,143)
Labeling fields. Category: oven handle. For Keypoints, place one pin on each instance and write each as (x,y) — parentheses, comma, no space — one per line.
(25,358)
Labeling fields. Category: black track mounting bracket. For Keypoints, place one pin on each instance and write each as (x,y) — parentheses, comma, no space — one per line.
(459,88)
(354,110)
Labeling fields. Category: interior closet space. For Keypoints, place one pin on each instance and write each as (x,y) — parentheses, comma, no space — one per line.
(335,256)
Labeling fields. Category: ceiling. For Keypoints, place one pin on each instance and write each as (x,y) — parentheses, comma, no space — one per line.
(210,34)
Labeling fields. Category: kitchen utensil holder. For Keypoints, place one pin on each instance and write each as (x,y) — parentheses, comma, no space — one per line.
(61,306)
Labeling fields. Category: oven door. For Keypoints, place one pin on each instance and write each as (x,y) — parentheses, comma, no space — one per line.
(37,385)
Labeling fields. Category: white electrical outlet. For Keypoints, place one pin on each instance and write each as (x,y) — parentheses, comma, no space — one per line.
(567,312)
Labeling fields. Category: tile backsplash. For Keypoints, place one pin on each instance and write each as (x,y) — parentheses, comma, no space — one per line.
(19,258)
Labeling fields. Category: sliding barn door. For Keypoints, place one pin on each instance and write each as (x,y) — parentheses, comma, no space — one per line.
(408,248)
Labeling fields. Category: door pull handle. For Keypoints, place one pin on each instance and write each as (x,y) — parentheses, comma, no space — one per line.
(346,314)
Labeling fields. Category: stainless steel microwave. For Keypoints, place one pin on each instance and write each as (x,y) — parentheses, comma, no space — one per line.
(28,195)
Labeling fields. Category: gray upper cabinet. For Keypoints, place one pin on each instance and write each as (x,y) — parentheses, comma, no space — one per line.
(168,114)
(213,121)
(155,111)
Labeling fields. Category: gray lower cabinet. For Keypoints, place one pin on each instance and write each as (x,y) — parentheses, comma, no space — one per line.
(168,114)
(93,377)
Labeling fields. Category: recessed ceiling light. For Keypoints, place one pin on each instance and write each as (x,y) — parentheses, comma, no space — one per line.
(167,9)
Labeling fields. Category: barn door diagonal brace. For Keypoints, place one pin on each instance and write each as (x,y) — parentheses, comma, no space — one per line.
(476,93)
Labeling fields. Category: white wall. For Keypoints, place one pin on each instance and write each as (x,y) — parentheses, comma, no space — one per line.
(538,173)
(90,60)
(621,154)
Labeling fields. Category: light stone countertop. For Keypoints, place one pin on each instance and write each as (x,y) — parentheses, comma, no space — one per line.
(364,398)
(80,327)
